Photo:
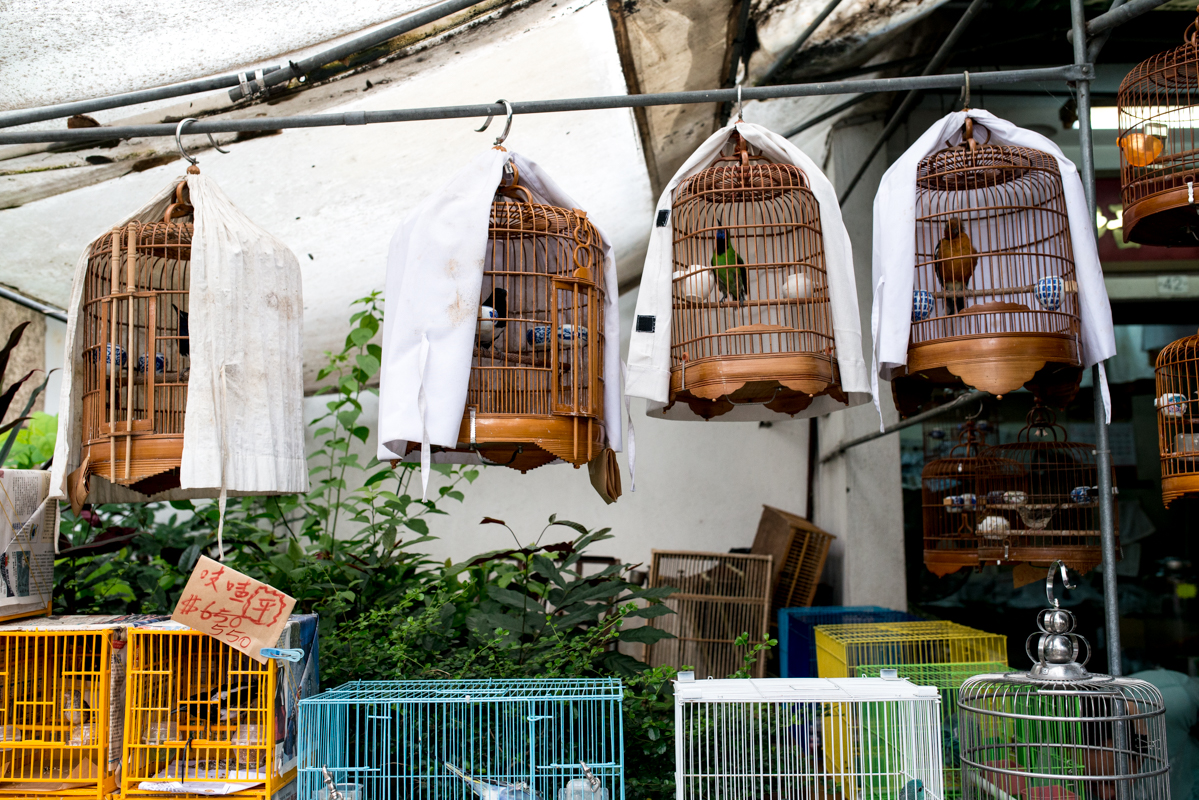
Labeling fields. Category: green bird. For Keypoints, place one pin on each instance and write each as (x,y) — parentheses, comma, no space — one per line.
(733,281)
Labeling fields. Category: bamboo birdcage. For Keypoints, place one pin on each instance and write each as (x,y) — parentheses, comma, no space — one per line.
(798,549)
(995,295)
(1050,511)
(1158,105)
(950,495)
(136,355)
(718,597)
(760,330)
(536,390)
(1177,375)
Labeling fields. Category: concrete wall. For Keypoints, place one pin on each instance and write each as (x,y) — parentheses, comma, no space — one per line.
(858,494)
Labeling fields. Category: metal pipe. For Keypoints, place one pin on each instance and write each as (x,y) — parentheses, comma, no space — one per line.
(1097,42)
(1115,16)
(832,112)
(36,305)
(272,76)
(790,52)
(25,116)
(907,423)
(1103,454)
(399,27)
(909,102)
(1064,73)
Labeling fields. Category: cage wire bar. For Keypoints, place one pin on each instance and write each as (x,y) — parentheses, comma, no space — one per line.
(865,739)
(388,740)
(1081,72)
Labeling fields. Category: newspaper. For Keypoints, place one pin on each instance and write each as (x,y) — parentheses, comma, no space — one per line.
(28,529)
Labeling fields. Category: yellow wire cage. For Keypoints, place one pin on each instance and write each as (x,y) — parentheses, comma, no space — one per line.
(201,713)
(61,682)
(841,649)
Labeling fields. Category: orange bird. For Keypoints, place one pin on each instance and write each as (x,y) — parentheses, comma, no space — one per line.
(956,260)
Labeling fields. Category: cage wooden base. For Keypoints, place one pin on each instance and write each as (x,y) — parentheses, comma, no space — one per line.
(1080,558)
(946,562)
(1165,219)
(147,463)
(528,442)
(783,382)
(996,364)
(1176,486)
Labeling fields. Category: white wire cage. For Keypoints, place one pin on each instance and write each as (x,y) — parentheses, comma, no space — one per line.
(807,739)
(551,739)
(1059,732)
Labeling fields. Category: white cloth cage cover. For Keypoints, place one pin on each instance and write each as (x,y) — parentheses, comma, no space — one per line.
(244,422)
(435,270)
(649,352)
(894,261)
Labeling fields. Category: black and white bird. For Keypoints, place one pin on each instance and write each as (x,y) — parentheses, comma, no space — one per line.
(75,707)
(492,317)
(224,704)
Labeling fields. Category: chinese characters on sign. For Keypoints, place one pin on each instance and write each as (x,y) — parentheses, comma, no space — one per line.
(243,613)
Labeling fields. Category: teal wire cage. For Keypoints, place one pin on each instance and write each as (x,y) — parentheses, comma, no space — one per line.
(561,739)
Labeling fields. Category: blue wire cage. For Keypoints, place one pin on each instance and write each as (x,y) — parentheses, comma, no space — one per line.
(797,632)
(387,740)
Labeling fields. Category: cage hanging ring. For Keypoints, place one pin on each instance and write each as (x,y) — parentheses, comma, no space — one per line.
(1049,582)
(507,126)
(179,141)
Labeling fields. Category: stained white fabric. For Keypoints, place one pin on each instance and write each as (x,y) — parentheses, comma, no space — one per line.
(244,435)
(431,306)
(649,352)
(895,248)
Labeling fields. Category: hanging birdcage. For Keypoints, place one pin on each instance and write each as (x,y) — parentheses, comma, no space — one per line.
(1158,160)
(954,518)
(536,390)
(1058,732)
(751,321)
(136,356)
(1050,511)
(1177,404)
(995,296)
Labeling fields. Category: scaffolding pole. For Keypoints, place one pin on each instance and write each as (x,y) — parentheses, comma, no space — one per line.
(997,77)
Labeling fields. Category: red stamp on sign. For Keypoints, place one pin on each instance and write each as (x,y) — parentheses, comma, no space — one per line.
(244,613)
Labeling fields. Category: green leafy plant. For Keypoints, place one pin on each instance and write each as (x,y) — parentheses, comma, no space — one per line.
(9,393)
(34,443)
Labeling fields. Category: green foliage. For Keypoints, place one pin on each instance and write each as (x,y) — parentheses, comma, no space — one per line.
(34,444)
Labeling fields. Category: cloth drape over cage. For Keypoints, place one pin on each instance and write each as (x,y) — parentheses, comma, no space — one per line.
(183,370)
(1013,260)
(443,365)
(789,225)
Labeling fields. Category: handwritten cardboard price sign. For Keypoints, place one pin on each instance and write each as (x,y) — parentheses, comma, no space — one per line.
(243,613)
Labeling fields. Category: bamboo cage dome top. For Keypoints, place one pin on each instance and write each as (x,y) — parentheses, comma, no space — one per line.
(969,458)
(1173,73)
(742,174)
(972,166)
(1183,350)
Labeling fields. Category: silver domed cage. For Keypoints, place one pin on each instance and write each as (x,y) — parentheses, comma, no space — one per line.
(1059,732)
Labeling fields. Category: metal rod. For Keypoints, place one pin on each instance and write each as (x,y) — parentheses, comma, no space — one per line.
(272,76)
(25,116)
(36,305)
(832,112)
(1064,73)
(790,52)
(1103,454)
(378,36)
(1115,16)
(909,102)
(1097,42)
(907,423)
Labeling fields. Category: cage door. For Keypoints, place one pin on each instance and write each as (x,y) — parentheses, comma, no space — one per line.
(574,342)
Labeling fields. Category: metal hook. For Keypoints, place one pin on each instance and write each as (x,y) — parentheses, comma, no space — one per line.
(740,108)
(179,141)
(507,127)
(966,92)
(977,414)
(1049,582)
